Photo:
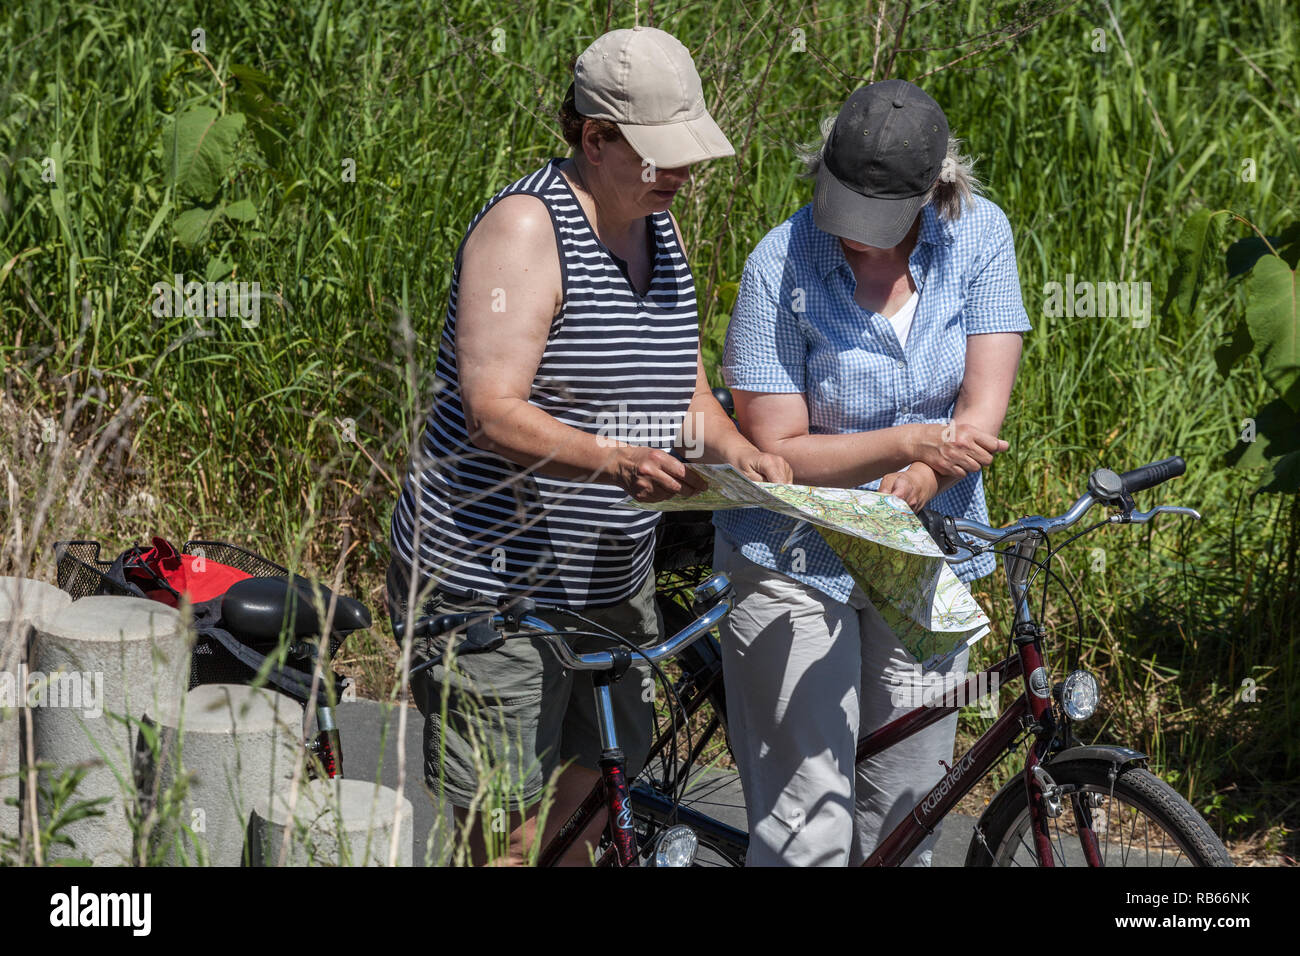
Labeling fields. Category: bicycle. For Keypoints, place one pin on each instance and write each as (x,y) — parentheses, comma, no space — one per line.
(484,632)
(1026,823)
(265,628)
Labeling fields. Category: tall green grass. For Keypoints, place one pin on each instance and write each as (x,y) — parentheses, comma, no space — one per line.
(1095,156)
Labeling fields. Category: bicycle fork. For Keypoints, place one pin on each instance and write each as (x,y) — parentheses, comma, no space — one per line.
(1045,805)
(613,773)
(327,747)
(1038,690)
(1044,796)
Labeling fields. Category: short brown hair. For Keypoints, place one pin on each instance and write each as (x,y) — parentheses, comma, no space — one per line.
(571,122)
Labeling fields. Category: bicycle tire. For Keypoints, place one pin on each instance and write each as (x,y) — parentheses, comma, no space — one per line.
(1002,835)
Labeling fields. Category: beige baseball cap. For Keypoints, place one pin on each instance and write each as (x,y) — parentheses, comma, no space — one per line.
(644,81)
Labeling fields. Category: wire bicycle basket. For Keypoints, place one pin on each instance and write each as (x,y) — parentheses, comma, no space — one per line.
(82,572)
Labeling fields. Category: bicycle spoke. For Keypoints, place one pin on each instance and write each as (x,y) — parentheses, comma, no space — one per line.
(1033,853)
(1139,841)
(1105,853)
(1124,856)
(1058,843)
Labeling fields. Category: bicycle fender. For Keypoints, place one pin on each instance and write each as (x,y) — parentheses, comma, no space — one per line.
(1111,753)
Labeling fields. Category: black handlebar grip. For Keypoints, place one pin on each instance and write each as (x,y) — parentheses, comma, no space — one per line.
(434,626)
(1148,476)
(934,523)
(723,395)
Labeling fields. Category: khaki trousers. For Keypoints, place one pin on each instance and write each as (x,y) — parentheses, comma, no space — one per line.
(805,677)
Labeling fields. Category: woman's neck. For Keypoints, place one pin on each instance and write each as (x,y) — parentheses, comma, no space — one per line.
(613,224)
(871,260)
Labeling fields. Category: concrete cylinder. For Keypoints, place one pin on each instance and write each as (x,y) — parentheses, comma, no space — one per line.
(24,605)
(230,745)
(334,823)
(104,662)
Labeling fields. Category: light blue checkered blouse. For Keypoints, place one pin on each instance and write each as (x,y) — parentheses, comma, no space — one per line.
(796,328)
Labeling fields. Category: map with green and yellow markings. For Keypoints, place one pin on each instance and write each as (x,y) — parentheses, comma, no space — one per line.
(882,543)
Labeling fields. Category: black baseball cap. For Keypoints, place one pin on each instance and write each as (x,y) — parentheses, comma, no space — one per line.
(884,153)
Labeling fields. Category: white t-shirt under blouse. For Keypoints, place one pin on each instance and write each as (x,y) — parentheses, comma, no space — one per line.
(902,319)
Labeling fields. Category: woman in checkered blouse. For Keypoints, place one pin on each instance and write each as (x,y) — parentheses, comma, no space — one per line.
(874,344)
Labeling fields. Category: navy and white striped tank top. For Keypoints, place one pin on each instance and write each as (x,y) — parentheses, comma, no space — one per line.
(616,364)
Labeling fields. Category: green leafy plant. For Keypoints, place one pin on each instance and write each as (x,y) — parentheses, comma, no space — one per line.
(204,147)
(62,811)
(1269,330)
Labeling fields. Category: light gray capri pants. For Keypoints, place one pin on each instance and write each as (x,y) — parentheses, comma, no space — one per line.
(806,677)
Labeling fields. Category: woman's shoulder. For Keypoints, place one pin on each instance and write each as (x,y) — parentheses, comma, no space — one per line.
(528,191)
(522,214)
(785,241)
(516,225)
(540,180)
(981,219)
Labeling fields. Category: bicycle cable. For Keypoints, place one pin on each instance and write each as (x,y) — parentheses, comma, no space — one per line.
(1044,566)
(1078,644)
(674,702)
(990,547)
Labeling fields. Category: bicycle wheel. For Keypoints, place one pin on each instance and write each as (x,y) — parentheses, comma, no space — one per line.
(1139,820)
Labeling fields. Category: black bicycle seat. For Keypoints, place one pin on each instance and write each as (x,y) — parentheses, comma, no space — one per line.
(725,399)
(261,608)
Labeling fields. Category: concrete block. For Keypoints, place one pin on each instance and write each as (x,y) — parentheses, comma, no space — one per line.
(336,822)
(108,661)
(24,604)
(230,746)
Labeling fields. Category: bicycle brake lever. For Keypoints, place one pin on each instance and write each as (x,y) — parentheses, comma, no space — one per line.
(514,610)
(942,529)
(1138,517)
(480,637)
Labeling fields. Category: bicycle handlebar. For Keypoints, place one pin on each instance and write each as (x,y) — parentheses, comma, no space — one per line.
(486,631)
(1148,476)
(713,600)
(1104,487)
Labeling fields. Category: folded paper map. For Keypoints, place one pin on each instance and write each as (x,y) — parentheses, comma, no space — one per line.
(882,543)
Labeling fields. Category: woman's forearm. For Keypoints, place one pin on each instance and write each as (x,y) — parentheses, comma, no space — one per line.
(846,461)
(526,435)
(709,437)
(988,417)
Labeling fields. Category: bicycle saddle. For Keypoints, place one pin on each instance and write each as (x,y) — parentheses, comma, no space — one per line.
(262,608)
(723,395)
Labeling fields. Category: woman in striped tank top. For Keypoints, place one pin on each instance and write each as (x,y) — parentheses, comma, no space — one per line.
(569,368)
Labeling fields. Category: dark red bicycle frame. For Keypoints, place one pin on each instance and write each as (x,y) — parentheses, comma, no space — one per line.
(612,793)
(970,767)
(964,773)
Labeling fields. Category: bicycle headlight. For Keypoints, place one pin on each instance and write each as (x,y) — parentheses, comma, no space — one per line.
(676,847)
(1079,695)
